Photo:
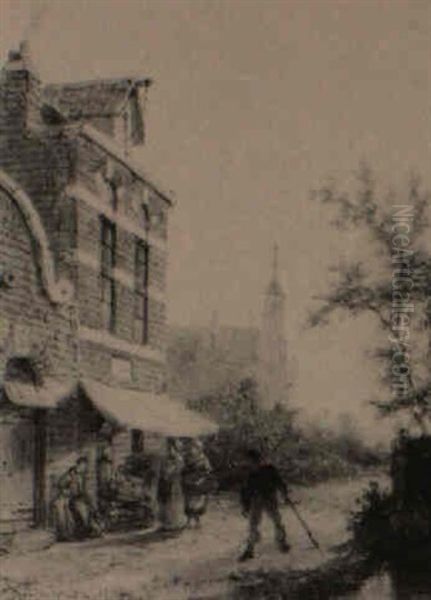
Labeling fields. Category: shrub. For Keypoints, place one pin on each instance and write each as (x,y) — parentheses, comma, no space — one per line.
(302,456)
(392,524)
(370,524)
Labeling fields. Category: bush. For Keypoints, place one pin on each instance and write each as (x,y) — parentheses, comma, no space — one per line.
(370,524)
(244,425)
(302,456)
(393,524)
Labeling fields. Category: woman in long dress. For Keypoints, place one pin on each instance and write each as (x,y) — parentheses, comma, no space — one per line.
(196,480)
(75,516)
(171,498)
(64,523)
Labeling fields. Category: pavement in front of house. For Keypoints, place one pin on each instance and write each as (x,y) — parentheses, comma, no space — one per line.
(194,565)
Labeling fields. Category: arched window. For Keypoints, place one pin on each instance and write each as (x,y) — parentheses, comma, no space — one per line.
(21,368)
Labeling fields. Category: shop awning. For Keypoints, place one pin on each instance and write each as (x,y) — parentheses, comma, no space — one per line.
(31,396)
(155,413)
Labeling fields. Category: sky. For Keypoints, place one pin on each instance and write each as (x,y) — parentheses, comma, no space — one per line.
(256,103)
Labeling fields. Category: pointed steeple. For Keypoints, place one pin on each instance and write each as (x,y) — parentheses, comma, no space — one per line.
(273,347)
(275,262)
(274,287)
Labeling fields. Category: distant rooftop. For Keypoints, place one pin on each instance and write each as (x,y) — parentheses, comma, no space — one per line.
(89,99)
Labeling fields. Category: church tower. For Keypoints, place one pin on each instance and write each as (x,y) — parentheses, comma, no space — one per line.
(273,381)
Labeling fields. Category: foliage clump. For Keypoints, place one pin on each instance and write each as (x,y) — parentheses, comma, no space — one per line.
(303,456)
(393,523)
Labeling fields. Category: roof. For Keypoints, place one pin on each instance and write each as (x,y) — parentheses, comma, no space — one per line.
(155,413)
(45,396)
(110,146)
(99,98)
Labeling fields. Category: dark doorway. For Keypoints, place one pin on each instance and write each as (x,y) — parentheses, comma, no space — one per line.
(33,445)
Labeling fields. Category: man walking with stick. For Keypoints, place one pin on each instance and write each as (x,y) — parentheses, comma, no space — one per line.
(259,495)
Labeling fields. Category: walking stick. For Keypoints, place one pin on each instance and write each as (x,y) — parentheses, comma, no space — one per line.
(305,526)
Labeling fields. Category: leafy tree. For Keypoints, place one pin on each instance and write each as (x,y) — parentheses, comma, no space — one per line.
(399,271)
(303,455)
(243,424)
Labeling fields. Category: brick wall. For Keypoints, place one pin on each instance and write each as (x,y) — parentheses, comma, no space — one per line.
(44,161)
(13,102)
(93,164)
(30,324)
(96,363)
(38,160)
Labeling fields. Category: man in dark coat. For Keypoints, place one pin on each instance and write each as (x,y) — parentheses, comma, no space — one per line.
(259,495)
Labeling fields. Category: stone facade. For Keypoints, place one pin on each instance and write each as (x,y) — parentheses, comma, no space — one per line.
(73,305)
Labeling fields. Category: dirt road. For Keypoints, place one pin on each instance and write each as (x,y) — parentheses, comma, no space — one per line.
(198,564)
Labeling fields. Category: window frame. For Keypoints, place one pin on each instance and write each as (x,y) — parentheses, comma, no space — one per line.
(108,255)
(141,297)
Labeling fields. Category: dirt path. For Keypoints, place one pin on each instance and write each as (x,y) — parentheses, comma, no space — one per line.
(197,564)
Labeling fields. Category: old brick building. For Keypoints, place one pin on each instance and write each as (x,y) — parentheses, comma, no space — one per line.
(83,254)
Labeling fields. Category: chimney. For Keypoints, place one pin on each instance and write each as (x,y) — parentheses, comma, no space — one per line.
(139,116)
(20,60)
(24,49)
(22,90)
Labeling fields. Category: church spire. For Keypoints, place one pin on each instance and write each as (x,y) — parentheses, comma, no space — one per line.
(275,263)
(273,347)
(274,287)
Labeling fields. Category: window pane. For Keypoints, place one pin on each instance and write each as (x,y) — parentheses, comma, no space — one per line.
(107,264)
(145,322)
(105,295)
(106,312)
(141,266)
(113,306)
(141,296)
(108,238)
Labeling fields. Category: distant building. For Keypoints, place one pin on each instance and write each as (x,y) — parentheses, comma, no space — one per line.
(83,257)
(203,361)
(236,345)
(272,373)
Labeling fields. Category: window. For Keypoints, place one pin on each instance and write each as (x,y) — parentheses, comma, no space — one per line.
(113,192)
(22,369)
(145,217)
(141,291)
(107,265)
